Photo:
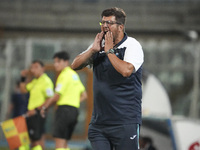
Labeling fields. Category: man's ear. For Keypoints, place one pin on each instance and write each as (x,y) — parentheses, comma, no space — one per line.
(121,26)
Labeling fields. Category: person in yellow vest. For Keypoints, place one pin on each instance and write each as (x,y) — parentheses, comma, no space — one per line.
(69,91)
(40,89)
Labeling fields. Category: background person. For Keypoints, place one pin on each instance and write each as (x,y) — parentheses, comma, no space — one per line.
(18,106)
(69,91)
(117,71)
(40,89)
(19,102)
(146,143)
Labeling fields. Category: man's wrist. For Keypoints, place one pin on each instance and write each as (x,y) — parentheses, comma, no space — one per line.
(43,108)
(93,51)
(110,51)
(25,115)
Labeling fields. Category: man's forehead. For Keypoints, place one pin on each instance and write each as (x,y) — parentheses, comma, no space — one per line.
(36,64)
(109,18)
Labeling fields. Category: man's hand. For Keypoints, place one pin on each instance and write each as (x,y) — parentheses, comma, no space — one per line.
(42,112)
(24,73)
(96,47)
(30,113)
(108,41)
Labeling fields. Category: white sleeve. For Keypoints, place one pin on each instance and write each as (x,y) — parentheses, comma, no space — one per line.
(134,53)
(49,92)
(90,60)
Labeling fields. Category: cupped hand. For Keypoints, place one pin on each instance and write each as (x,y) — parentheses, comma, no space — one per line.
(24,73)
(97,42)
(108,41)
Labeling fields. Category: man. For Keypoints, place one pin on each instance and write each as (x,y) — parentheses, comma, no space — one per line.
(18,106)
(19,102)
(69,92)
(40,89)
(117,70)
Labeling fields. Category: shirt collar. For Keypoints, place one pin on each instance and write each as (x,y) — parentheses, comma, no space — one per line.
(40,76)
(124,38)
(66,68)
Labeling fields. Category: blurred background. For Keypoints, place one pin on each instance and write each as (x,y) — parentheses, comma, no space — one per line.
(168,31)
